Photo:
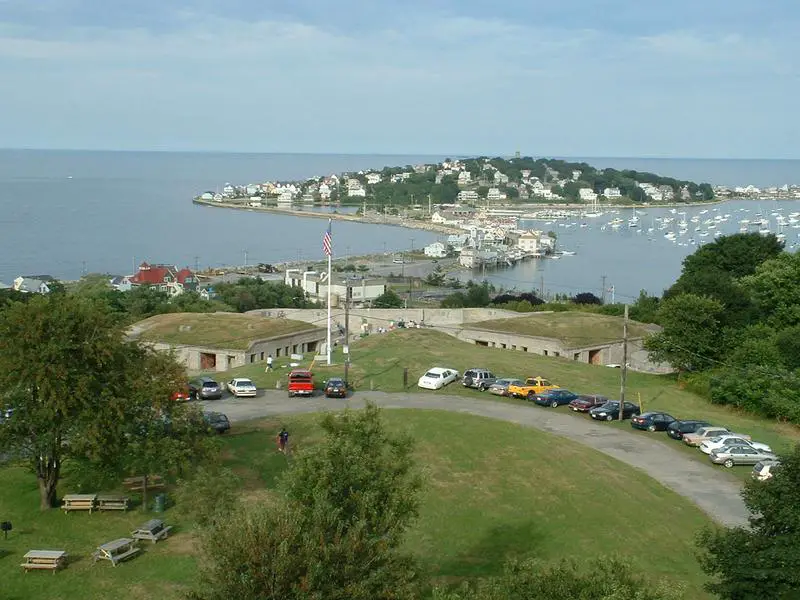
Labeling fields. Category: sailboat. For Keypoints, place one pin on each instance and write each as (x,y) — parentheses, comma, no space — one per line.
(634,220)
(594,209)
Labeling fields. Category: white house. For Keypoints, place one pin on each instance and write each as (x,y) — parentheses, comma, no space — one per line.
(528,242)
(500,178)
(121,283)
(373,178)
(457,240)
(436,250)
(467,196)
(228,190)
(355,189)
(464,177)
(32,285)
(587,195)
(612,193)
(576,175)
(361,289)
(495,194)
(324,191)
(207,196)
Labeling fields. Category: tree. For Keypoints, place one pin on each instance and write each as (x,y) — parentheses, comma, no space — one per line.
(775,289)
(737,255)
(586,298)
(715,283)
(388,299)
(691,335)
(339,534)
(764,560)
(76,386)
(532,580)
(645,308)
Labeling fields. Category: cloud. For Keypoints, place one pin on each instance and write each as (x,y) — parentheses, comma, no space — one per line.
(433,81)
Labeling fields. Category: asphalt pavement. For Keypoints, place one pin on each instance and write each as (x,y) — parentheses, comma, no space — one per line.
(714,490)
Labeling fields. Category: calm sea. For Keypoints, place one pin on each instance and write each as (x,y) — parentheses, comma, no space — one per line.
(67,212)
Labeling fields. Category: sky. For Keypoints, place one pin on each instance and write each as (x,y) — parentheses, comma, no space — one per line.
(589,78)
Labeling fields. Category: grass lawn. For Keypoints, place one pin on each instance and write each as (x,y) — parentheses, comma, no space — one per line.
(378,362)
(216,330)
(493,490)
(574,328)
(160,571)
(496,490)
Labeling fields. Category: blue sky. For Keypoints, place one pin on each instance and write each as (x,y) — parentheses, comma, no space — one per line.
(684,78)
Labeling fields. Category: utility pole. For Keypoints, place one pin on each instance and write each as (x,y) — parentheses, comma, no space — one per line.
(412,245)
(346,348)
(541,287)
(624,371)
(429,205)
(603,290)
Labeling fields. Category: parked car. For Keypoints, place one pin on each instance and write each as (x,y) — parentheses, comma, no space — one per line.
(479,379)
(300,383)
(437,377)
(531,387)
(708,446)
(765,469)
(217,421)
(335,388)
(729,456)
(586,402)
(242,387)
(652,421)
(610,411)
(706,433)
(204,388)
(677,429)
(554,398)
(500,386)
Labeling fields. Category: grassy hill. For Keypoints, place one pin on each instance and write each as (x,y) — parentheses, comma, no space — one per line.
(493,491)
(215,330)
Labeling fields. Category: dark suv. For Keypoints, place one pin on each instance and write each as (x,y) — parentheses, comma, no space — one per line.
(204,388)
(479,379)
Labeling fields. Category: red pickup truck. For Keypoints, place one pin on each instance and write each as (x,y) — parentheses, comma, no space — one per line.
(301,383)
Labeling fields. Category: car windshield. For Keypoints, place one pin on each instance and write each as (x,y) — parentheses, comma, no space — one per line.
(432,375)
(335,382)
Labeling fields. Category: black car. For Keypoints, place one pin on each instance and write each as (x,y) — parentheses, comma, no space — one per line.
(335,388)
(652,421)
(217,421)
(204,388)
(676,429)
(554,398)
(610,411)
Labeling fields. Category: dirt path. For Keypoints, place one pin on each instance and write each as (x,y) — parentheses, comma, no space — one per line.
(715,491)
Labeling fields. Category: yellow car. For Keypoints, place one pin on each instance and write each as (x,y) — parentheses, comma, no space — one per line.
(531,387)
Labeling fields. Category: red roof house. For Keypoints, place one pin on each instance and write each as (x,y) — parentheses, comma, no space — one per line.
(166,278)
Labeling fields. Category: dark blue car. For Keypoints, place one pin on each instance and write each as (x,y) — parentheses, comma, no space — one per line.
(554,398)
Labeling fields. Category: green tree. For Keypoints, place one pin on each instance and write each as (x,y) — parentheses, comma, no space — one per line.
(738,255)
(607,579)
(76,386)
(775,288)
(762,561)
(788,344)
(339,533)
(691,334)
(645,308)
(388,299)
(715,283)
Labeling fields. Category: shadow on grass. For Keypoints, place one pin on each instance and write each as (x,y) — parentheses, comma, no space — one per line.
(487,557)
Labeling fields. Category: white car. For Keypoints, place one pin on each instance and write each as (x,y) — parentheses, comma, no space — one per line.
(437,377)
(727,440)
(241,387)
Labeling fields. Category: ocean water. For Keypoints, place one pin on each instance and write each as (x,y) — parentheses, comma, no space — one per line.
(67,212)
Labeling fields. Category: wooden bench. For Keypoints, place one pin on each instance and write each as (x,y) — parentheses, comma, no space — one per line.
(154,530)
(112,502)
(116,551)
(79,502)
(136,484)
(51,560)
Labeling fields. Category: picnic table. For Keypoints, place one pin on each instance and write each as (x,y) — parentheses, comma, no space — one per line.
(112,502)
(116,551)
(78,502)
(154,530)
(44,559)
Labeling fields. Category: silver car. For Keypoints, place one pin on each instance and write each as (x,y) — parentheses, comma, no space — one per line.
(729,456)
(500,386)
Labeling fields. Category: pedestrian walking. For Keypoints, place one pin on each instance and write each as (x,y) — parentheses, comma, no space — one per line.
(269,364)
(283,440)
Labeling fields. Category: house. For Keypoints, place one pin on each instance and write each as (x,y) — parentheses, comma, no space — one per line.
(464,178)
(207,196)
(468,196)
(121,283)
(612,193)
(165,278)
(373,178)
(457,240)
(576,175)
(436,250)
(324,191)
(500,178)
(495,194)
(33,284)
(528,242)
(587,195)
(228,190)
(360,290)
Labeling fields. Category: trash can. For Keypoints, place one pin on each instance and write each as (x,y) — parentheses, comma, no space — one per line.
(159,503)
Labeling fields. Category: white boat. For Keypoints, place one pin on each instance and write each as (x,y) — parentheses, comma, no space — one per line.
(634,220)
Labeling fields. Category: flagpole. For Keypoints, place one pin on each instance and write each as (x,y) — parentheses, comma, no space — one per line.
(329,309)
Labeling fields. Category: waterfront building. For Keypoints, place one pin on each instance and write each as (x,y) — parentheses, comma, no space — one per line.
(436,250)
(165,278)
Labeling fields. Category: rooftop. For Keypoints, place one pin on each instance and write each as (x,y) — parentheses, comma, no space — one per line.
(215,330)
(574,329)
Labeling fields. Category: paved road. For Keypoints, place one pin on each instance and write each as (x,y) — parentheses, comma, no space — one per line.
(712,489)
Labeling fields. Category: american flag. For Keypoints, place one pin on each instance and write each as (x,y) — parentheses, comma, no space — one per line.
(327,242)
